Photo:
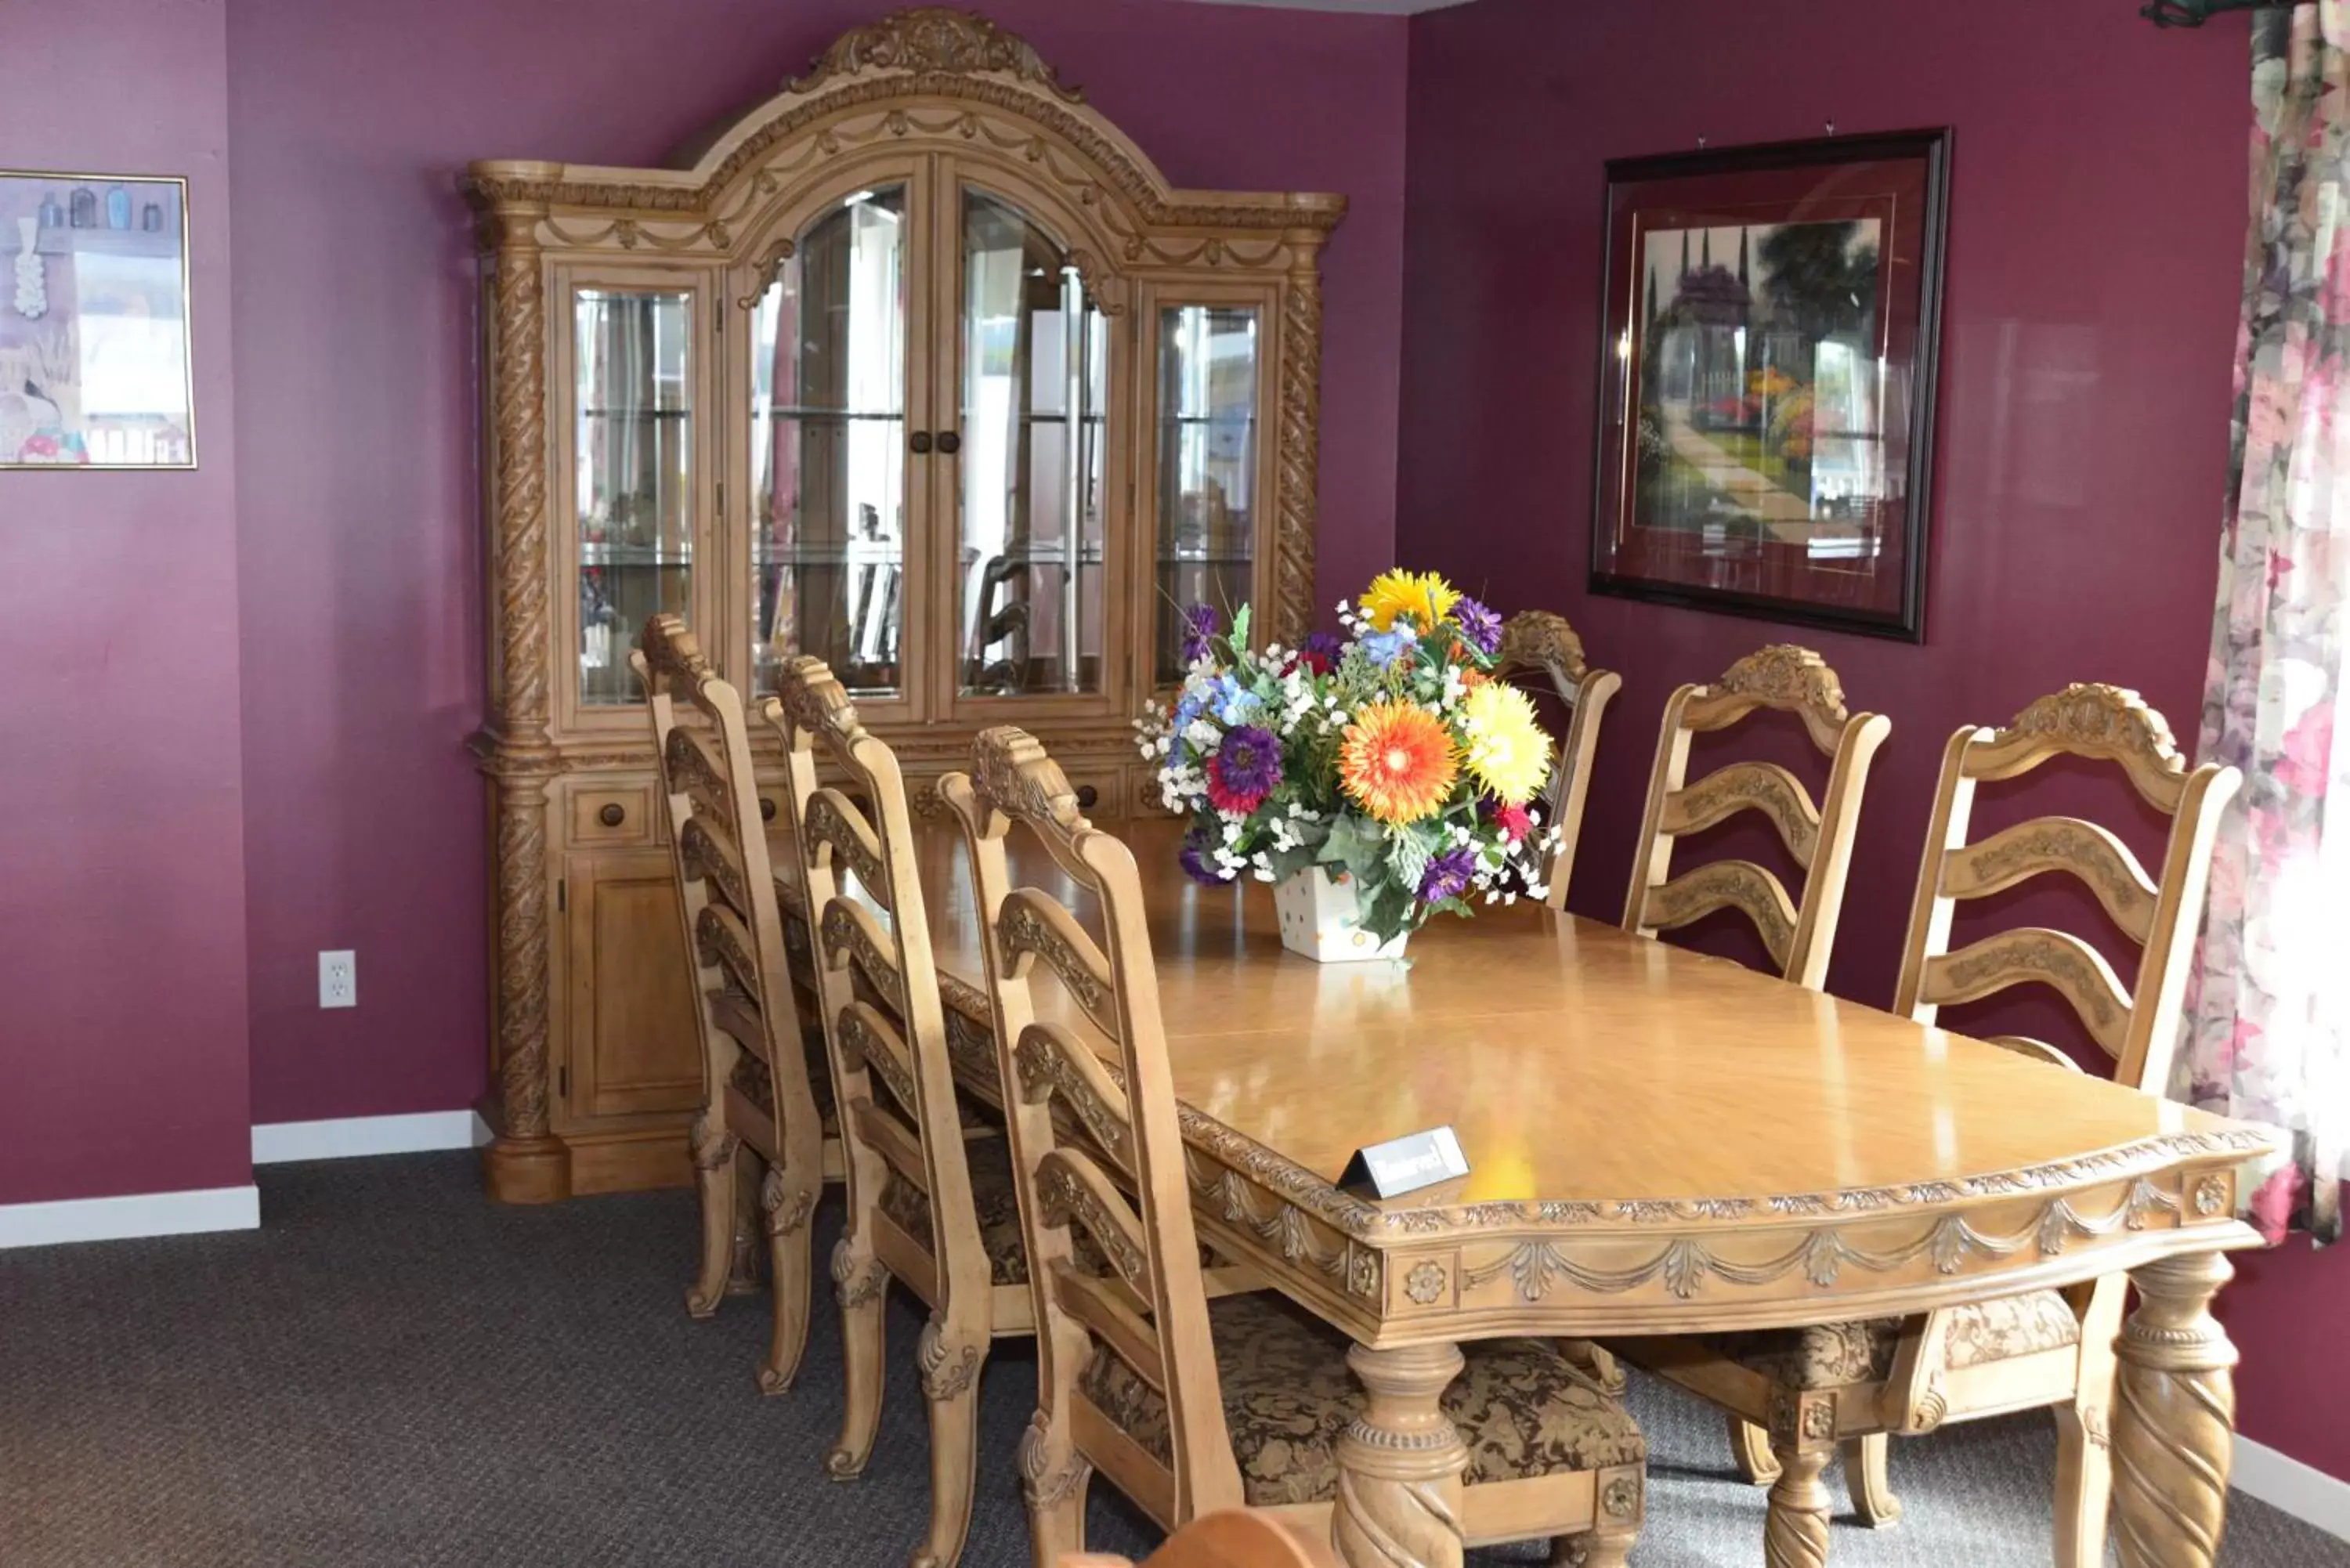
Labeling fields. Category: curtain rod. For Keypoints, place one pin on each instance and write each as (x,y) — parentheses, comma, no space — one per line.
(2195,13)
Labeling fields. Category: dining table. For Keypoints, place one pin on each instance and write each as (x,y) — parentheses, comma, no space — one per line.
(1659,1142)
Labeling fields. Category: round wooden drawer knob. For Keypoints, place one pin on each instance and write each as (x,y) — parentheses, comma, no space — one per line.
(1087,797)
(613,814)
(766,809)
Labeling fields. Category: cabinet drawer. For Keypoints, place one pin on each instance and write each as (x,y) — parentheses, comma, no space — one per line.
(613,814)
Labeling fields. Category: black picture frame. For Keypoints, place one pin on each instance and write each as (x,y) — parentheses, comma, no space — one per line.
(1797,569)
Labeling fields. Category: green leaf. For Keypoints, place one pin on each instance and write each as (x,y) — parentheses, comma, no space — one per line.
(1241,626)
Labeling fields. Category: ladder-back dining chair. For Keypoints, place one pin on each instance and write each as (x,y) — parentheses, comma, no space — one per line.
(759,1101)
(2041,1347)
(1189,1407)
(1798,934)
(925,1206)
(1536,642)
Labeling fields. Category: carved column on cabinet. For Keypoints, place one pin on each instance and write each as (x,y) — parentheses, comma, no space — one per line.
(1301,448)
(524,1164)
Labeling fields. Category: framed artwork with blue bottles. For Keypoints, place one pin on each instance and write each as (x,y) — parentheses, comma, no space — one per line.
(94,361)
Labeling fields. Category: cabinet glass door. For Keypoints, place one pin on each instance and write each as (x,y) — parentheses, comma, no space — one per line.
(828,447)
(633,391)
(1207,460)
(1031,561)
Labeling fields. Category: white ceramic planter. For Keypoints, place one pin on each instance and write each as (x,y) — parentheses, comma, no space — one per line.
(1320,918)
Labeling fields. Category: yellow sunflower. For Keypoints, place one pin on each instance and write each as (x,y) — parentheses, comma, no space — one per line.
(1426,597)
(1507,752)
(1397,761)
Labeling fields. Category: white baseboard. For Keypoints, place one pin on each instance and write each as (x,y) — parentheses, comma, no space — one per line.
(2282,1481)
(275,1143)
(122,1218)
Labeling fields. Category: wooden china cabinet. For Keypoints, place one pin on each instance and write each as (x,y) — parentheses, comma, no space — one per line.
(920,367)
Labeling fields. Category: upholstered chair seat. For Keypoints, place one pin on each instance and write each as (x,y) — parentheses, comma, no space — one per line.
(752,1080)
(992,1197)
(1833,1354)
(1522,1408)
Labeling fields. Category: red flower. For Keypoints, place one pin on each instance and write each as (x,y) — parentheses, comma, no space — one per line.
(1514,822)
(1224,798)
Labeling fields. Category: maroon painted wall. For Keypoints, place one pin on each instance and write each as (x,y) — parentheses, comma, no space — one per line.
(2096,243)
(122,1034)
(360,552)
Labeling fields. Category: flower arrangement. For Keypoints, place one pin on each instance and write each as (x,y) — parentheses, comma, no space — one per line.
(1391,755)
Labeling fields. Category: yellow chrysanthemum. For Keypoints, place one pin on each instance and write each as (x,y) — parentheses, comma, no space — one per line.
(1507,752)
(1423,596)
(1397,761)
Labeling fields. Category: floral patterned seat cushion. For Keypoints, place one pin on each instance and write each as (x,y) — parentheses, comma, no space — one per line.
(991,1195)
(1830,1354)
(1521,1408)
(751,1080)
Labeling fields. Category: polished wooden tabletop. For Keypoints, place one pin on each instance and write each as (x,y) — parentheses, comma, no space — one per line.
(1576,1062)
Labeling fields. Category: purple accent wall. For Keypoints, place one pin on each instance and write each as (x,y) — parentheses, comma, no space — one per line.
(122,952)
(360,549)
(2097,244)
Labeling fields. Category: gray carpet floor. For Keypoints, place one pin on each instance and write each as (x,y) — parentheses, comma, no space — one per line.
(394,1371)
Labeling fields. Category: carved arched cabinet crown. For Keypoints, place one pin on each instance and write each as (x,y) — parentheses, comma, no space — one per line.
(919,366)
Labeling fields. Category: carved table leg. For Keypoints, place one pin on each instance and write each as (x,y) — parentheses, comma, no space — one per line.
(2174,1417)
(1802,1439)
(1399,1463)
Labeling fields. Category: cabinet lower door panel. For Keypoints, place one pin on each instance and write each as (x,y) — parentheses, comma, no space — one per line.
(633,1047)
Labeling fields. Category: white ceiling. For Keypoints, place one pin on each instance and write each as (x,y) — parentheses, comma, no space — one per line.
(1368,7)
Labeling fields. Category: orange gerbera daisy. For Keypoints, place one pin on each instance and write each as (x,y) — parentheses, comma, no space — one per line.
(1397,762)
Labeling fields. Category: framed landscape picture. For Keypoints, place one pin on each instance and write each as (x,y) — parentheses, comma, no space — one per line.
(94,362)
(1767,402)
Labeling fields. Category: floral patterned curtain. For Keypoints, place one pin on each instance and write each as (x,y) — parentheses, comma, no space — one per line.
(2268,1007)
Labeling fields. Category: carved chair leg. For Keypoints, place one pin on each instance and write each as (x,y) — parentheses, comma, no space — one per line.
(2174,1417)
(1802,1439)
(1750,1449)
(714,1147)
(1595,1549)
(1615,1527)
(1055,1479)
(950,1383)
(1399,1462)
(862,1284)
(1864,1477)
(2084,1485)
(789,1201)
(747,1274)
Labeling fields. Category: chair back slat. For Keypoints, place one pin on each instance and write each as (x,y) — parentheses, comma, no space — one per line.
(1538,643)
(2025,955)
(1125,1108)
(1799,933)
(730,919)
(2137,1024)
(2088,853)
(1739,885)
(876,979)
(1766,788)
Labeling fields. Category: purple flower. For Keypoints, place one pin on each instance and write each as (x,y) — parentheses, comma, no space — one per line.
(1246,770)
(1480,626)
(1198,624)
(1449,874)
(1193,858)
(1321,651)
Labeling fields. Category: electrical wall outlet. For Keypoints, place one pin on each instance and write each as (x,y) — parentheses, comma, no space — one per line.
(339,980)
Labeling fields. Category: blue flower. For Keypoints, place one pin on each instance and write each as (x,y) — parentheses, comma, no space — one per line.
(1387,648)
(1234,704)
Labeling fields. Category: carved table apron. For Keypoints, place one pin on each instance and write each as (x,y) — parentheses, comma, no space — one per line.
(1660,1142)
